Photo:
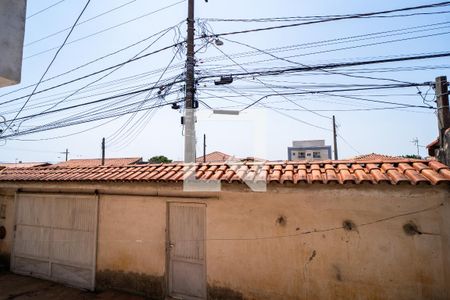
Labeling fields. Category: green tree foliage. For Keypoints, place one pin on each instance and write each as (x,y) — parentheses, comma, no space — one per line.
(159,159)
(412,156)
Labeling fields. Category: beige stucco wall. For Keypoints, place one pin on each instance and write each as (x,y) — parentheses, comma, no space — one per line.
(131,234)
(287,243)
(310,255)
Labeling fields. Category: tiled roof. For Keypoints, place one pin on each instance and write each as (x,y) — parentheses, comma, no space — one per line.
(215,156)
(98,162)
(340,172)
(23,165)
(433,143)
(432,147)
(376,156)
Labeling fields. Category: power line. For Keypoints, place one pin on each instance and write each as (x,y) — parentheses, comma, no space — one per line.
(116,134)
(286,115)
(344,110)
(345,39)
(273,90)
(343,90)
(85,21)
(348,144)
(107,29)
(44,9)
(327,71)
(308,18)
(268,72)
(344,48)
(353,16)
(380,101)
(67,135)
(339,40)
(89,103)
(127,112)
(96,72)
(48,67)
(108,87)
(368,108)
(87,121)
(95,60)
(105,75)
(331,66)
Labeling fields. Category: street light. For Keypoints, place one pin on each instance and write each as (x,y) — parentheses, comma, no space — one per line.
(225,112)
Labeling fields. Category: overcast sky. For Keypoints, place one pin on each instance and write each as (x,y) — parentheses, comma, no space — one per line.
(264,130)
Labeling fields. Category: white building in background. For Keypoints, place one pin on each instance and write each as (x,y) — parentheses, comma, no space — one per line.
(309,150)
(12,30)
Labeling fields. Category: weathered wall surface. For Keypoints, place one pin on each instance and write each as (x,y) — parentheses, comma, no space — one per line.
(291,244)
(307,242)
(7,201)
(12,24)
(131,244)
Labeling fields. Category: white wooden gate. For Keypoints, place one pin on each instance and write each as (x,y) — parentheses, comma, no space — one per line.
(186,240)
(55,238)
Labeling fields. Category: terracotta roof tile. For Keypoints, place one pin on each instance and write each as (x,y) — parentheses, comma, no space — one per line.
(395,175)
(330,174)
(215,156)
(376,157)
(344,174)
(23,165)
(98,162)
(341,172)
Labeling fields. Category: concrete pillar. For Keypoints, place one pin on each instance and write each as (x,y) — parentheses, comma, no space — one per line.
(12,30)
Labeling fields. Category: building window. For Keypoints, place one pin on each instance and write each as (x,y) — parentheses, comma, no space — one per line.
(293,153)
(316,154)
(301,155)
(308,154)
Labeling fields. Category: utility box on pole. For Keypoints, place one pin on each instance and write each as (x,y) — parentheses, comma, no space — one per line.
(12,30)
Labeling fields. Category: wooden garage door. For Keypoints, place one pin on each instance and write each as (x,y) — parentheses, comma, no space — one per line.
(55,238)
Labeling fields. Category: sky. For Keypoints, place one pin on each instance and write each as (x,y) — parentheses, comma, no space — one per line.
(266,129)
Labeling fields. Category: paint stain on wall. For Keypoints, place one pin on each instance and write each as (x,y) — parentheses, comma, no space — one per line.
(411,228)
(337,272)
(349,225)
(222,293)
(314,253)
(152,287)
(281,220)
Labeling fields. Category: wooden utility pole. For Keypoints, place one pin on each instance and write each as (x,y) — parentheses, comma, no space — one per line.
(103,151)
(204,148)
(335,139)
(66,153)
(189,115)
(443,114)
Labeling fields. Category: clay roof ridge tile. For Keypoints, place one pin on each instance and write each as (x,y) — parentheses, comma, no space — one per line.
(419,166)
(433,176)
(362,176)
(415,177)
(396,177)
(331,176)
(437,166)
